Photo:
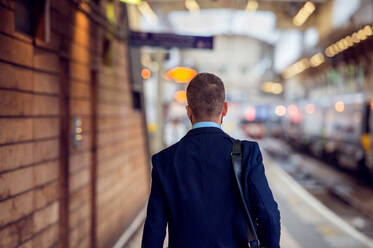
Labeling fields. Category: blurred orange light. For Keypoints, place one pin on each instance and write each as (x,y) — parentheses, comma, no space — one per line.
(250,113)
(310,108)
(280,110)
(145,73)
(180,96)
(339,106)
(181,74)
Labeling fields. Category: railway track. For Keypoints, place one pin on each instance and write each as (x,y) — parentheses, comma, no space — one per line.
(343,192)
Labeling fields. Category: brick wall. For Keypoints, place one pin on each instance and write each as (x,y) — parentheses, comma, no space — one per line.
(52,193)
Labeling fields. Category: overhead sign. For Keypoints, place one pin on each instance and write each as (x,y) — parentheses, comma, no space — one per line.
(170,40)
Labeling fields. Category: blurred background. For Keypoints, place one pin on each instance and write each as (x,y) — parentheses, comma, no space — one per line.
(90,89)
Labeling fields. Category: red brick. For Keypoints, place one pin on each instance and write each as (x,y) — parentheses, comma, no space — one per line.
(16,233)
(80,215)
(15,182)
(25,228)
(46,105)
(81,20)
(14,156)
(109,152)
(14,130)
(79,198)
(9,237)
(15,51)
(78,234)
(6,20)
(46,150)
(46,194)
(79,71)
(46,127)
(80,107)
(46,238)
(82,37)
(85,242)
(63,7)
(15,208)
(45,172)
(80,89)
(112,110)
(45,217)
(80,54)
(79,161)
(45,83)
(15,103)
(60,23)
(14,77)
(107,123)
(45,60)
(28,244)
(79,180)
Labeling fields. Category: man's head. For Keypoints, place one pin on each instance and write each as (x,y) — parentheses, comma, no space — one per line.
(206,98)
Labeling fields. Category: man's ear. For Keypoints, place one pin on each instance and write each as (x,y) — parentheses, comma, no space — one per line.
(189,112)
(225,109)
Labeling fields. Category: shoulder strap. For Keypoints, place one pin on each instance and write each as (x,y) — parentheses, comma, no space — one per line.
(236,157)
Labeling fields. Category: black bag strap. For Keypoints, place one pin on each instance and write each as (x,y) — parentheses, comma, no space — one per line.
(236,157)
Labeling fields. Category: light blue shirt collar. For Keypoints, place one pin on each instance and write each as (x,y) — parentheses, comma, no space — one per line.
(206,124)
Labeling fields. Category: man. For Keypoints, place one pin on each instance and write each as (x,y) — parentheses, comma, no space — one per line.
(193,188)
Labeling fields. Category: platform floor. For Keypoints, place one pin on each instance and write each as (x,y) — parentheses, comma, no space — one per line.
(305,221)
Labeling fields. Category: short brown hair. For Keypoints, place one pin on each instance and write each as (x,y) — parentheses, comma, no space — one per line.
(205,95)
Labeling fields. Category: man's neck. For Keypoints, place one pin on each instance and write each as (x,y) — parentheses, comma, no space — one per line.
(208,120)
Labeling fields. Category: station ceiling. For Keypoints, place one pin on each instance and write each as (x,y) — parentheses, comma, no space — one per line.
(284,10)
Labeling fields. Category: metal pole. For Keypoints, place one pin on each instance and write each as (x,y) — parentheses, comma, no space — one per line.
(160,123)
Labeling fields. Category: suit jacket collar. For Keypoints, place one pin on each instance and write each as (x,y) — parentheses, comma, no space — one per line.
(202,130)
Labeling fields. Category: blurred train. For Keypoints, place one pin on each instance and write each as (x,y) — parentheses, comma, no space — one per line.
(260,121)
(337,129)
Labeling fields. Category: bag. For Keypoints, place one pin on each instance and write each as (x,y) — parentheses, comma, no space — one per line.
(236,157)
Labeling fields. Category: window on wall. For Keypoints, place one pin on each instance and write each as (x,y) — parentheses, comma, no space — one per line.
(136,80)
(107,50)
(137,99)
(32,17)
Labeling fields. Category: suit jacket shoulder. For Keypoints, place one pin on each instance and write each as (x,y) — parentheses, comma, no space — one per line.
(164,155)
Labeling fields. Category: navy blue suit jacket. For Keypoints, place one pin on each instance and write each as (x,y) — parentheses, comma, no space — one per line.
(194,192)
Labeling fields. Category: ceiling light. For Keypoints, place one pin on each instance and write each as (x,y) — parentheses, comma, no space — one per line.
(192,5)
(303,14)
(147,12)
(317,60)
(131,1)
(272,87)
(296,68)
(252,5)
(368,30)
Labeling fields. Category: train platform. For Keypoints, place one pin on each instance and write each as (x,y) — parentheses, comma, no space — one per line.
(306,222)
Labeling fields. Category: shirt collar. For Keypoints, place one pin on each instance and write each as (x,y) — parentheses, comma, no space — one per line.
(205,124)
